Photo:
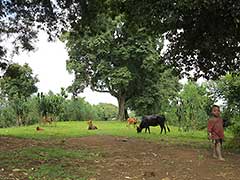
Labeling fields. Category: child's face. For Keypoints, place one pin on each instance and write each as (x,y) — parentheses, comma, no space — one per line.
(216,112)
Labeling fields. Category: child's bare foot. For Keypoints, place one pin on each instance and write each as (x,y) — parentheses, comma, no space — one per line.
(215,156)
(221,159)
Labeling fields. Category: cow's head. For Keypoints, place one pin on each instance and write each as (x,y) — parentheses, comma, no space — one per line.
(139,129)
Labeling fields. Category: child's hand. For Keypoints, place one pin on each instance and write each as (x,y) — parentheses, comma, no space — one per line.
(209,136)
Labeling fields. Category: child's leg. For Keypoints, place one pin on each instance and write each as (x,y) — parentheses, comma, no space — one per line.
(215,150)
(218,150)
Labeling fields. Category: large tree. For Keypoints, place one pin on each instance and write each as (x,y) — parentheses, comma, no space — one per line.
(110,58)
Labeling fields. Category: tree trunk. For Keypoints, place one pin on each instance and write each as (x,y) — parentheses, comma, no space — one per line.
(19,120)
(126,114)
(121,107)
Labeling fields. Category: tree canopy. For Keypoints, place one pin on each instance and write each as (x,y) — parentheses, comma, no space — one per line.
(204,34)
(18,82)
(20,21)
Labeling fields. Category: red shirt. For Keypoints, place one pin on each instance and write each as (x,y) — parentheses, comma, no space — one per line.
(215,127)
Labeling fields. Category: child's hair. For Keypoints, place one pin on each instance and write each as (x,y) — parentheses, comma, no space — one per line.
(213,106)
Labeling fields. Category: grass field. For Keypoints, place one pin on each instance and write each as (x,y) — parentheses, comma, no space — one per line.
(54,161)
(115,128)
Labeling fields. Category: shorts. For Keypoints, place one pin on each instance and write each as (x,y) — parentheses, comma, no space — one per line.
(216,141)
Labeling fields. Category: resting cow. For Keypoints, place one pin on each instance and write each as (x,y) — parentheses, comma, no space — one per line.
(152,120)
(91,126)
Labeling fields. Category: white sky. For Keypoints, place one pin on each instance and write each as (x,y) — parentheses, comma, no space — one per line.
(49,64)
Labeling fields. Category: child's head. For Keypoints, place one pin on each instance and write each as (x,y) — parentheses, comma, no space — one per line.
(215,111)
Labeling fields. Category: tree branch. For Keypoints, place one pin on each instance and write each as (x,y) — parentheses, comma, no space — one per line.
(97,90)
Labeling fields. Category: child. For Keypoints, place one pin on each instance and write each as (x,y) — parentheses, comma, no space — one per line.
(215,132)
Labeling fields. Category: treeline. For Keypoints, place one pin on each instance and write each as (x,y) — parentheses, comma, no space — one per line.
(56,106)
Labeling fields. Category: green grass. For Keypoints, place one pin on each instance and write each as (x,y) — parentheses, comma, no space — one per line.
(79,129)
(114,128)
(49,163)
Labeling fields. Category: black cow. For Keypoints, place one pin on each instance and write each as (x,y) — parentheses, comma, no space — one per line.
(152,120)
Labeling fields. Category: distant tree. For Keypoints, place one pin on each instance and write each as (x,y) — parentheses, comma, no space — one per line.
(106,111)
(77,109)
(192,107)
(50,105)
(17,84)
(228,88)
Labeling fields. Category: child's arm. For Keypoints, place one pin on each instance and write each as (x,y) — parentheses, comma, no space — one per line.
(209,128)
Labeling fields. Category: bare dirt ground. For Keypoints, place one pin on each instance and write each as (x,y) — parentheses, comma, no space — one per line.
(130,158)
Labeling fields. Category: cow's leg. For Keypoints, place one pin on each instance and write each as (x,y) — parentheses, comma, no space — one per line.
(161,129)
(148,129)
(164,128)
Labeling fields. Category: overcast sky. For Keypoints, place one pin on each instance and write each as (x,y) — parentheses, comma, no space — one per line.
(49,64)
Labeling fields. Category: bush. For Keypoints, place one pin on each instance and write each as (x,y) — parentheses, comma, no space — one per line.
(7,117)
(77,109)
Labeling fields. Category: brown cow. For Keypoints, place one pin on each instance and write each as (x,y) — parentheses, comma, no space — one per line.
(132,121)
(39,129)
(91,126)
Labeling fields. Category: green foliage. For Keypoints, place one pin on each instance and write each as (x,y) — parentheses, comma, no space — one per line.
(210,47)
(22,20)
(32,115)
(155,95)
(111,58)
(7,116)
(192,107)
(50,104)
(228,88)
(77,109)
(17,85)
(18,82)
(106,111)
(236,126)
(56,106)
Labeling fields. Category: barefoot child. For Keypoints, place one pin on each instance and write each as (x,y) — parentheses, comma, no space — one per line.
(215,131)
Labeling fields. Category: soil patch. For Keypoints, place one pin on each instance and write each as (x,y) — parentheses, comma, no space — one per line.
(132,158)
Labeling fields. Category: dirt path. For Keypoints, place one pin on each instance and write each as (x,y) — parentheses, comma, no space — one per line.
(130,158)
